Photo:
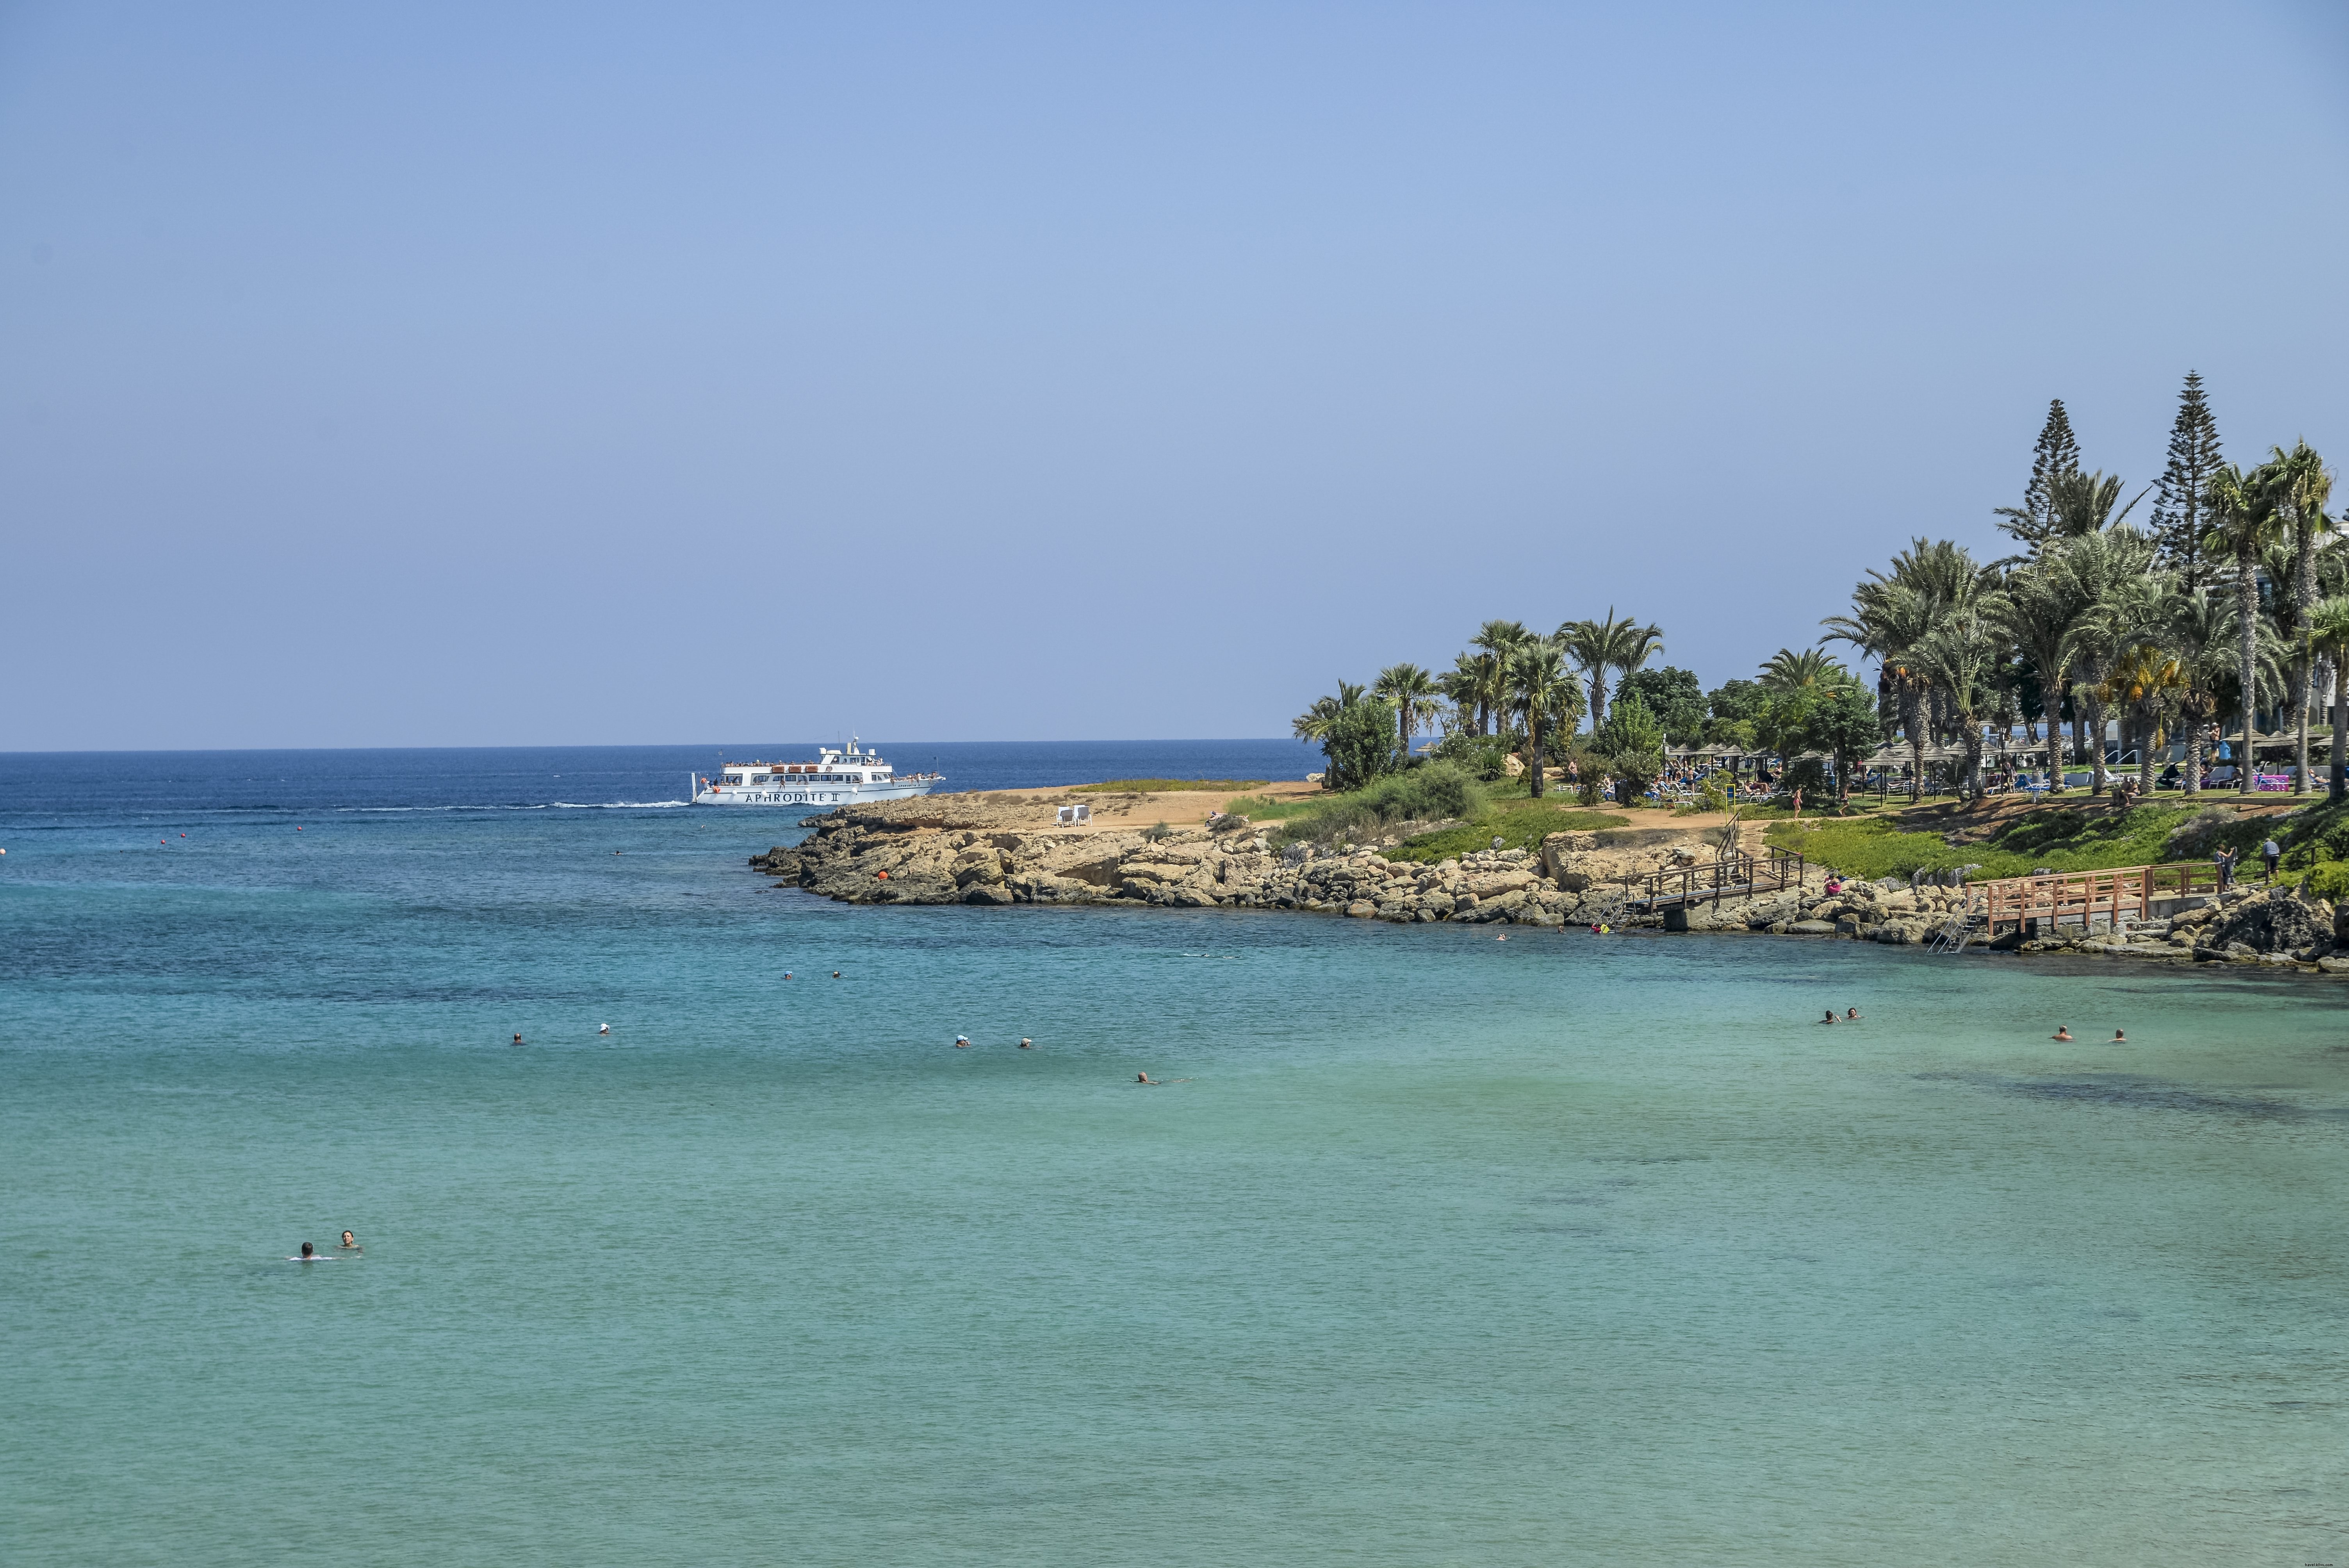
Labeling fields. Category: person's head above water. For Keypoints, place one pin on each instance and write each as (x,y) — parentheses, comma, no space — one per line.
(349,1239)
(1852,1013)
(2118,1035)
(2062,1032)
(306,1250)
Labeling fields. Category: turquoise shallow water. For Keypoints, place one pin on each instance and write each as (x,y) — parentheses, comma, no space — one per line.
(1557,1250)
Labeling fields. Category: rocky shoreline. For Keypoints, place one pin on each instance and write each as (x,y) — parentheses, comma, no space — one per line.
(982,849)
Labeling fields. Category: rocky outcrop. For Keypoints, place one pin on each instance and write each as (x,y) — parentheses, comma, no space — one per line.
(2279,927)
(980,852)
(938,851)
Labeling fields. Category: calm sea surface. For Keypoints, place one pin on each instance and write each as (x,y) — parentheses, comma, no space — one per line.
(1442,1250)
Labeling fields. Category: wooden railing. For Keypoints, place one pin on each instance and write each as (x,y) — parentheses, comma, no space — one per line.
(2084,896)
(1734,876)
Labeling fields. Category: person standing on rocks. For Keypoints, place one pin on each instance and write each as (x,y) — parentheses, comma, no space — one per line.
(2271,853)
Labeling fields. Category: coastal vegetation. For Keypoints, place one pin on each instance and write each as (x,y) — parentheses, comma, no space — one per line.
(2225,614)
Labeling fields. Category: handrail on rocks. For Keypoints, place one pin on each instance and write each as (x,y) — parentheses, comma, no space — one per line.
(1736,874)
(2062,896)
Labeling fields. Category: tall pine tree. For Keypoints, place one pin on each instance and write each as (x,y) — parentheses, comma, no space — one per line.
(2182,504)
(2055,458)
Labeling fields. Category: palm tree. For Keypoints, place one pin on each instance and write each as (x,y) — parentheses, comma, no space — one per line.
(1314,722)
(1601,647)
(2126,601)
(1494,640)
(1537,669)
(2199,631)
(1406,685)
(1463,686)
(2328,629)
(2078,505)
(1959,655)
(2243,520)
(1892,614)
(2038,607)
(2306,484)
(2148,680)
(1787,670)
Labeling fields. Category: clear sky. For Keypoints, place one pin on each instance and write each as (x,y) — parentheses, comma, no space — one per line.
(426,374)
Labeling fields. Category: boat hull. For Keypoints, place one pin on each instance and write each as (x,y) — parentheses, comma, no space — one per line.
(822,796)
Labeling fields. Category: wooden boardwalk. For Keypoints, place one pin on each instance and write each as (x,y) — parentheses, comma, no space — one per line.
(2065,897)
(1736,875)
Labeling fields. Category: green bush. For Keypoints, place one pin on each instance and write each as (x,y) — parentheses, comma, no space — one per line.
(1360,745)
(2329,880)
(1431,792)
(1485,757)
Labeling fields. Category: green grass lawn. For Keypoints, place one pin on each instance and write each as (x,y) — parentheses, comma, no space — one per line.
(1519,824)
(1262,809)
(2061,839)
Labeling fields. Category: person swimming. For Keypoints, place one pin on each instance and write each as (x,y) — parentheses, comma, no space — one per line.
(517,1036)
(835,974)
(1026,1044)
(962,1042)
(310,1255)
(351,1243)
(2061,1033)
(1145,1078)
(603,1028)
(1851,1016)
(1830,1018)
(2119,1039)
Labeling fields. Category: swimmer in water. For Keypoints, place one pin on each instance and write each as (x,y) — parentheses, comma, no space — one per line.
(835,974)
(1830,1018)
(604,1028)
(2061,1033)
(1145,1078)
(351,1243)
(1851,1016)
(2119,1039)
(1026,1044)
(517,1036)
(962,1042)
(310,1255)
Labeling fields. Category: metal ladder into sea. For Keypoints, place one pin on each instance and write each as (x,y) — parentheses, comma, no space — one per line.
(1955,934)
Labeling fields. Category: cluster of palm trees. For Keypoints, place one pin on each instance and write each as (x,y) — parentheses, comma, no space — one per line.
(1511,680)
(1506,666)
(2099,612)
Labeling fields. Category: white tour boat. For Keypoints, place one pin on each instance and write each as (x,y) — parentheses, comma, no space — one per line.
(836,778)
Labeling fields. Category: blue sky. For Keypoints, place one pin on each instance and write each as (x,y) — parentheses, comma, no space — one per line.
(437,374)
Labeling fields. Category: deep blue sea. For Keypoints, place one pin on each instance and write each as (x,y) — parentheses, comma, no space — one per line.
(1433,1249)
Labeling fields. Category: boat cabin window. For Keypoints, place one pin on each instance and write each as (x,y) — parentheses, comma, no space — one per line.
(733,778)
